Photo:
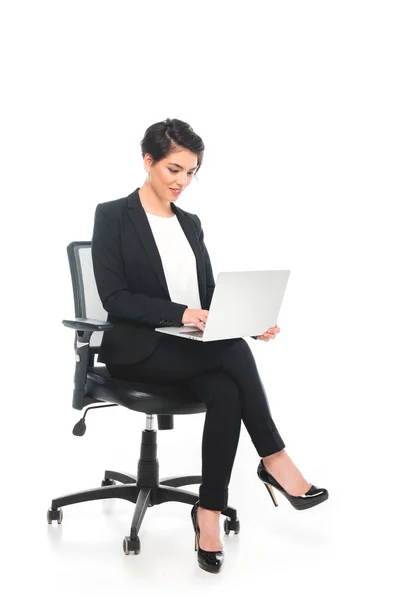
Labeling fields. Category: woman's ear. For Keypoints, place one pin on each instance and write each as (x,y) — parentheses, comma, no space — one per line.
(148,160)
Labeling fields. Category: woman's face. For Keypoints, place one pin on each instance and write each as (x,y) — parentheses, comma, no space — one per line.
(174,172)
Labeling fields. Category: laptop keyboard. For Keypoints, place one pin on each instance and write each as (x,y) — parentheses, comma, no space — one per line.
(195,332)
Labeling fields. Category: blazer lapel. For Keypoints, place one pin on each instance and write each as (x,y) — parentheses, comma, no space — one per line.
(139,219)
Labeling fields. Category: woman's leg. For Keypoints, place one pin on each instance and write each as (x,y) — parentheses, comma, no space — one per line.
(238,361)
(186,361)
(220,440)
(221,434)
(221,396)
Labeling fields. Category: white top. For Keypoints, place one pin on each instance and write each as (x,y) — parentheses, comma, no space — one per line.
(178,260)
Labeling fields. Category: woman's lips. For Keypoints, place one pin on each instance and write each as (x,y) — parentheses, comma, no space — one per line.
(176,192)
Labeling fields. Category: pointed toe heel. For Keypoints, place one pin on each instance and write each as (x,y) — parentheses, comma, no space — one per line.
(311,498)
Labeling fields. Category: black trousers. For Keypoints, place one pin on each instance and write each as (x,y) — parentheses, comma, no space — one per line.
(223,374)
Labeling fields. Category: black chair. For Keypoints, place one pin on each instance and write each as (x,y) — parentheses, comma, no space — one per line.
(93,384)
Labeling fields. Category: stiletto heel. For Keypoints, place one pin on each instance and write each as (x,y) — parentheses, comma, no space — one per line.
(208,561)
(271,493)
(311,498)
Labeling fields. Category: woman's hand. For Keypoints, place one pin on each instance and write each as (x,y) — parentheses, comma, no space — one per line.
(269,334)
(197,316)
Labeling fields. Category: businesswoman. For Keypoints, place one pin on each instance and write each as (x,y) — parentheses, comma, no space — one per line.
(152,269)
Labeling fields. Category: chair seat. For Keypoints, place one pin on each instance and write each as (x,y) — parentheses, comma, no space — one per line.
(149,398)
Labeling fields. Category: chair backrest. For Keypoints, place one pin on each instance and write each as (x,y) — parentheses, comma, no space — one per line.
(86,298)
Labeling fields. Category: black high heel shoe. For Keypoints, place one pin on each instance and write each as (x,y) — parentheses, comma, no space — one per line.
(311,498)
(209,561)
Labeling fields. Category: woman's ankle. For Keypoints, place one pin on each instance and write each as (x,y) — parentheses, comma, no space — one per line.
(272,458)
(209,526)
(203,510)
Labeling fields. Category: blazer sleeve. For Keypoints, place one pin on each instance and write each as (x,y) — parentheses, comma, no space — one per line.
(210,283)
(108,270)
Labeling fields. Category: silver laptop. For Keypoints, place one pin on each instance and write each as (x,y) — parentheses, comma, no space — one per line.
(244,303)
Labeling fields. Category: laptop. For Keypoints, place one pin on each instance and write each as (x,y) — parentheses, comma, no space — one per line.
(244,303)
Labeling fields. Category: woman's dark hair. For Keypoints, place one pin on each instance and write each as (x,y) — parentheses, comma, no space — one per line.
(164,137)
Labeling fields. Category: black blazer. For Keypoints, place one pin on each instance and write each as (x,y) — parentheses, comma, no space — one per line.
(131,281)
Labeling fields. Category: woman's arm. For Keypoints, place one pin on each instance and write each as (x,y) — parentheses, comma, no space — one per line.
(117,300)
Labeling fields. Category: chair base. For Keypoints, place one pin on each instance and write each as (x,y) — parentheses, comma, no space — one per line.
(145,490)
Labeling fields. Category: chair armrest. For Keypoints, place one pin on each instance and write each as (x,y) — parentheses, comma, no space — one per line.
(87,324)
(84,328)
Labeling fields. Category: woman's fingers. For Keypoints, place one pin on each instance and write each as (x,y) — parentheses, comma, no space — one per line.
(269,334)
(273,329)
(263,338)
(202,319)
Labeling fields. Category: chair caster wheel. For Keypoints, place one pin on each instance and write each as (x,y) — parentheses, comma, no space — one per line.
(55,514)
(131,546)
(107,482)
(231,526)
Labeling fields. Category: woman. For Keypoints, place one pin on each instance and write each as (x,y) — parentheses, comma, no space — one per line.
(152,268)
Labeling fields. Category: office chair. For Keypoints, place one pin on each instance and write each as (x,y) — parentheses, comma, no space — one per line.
(93,384)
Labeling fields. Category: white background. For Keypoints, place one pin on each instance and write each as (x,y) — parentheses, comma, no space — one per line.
(298,106)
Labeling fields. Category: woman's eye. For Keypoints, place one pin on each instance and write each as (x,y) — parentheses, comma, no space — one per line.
(175,171)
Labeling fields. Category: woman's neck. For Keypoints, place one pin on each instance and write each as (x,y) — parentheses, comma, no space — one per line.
(152,204)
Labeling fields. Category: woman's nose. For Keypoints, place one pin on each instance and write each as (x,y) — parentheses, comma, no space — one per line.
(182,180)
